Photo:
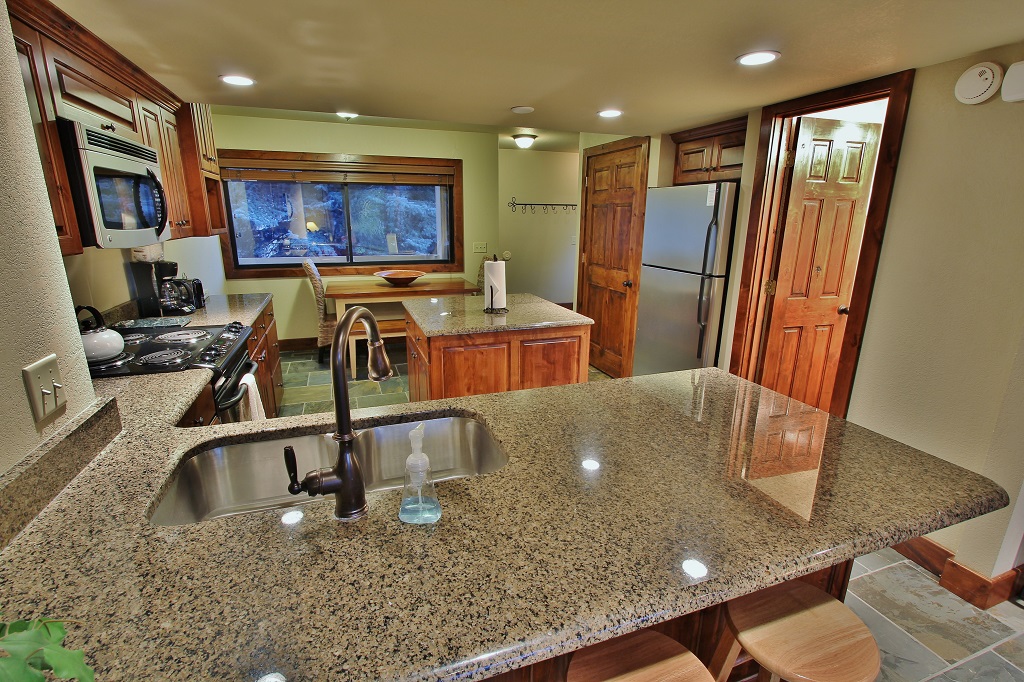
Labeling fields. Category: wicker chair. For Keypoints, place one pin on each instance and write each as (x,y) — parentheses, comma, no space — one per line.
(325,334)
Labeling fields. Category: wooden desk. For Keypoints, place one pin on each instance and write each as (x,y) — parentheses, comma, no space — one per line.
(359,293)
(382,292)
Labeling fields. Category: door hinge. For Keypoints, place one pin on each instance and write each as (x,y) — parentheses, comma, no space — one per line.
(789,158)
(769,287)
(583,258)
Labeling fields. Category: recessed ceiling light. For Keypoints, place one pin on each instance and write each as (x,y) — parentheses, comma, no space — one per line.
(522,110)
(346,115)
(524,141)
(758,58)
(237,80)
(609,113)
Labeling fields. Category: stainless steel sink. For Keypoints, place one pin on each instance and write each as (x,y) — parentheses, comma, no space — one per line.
(235,479)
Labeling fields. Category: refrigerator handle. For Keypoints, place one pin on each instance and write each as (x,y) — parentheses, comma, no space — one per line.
(711,237)
(701,315)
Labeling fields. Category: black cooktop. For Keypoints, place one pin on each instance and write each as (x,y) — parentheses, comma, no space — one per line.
(171,349)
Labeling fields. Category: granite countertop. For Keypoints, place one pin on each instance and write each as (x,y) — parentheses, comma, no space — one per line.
(450,315)
(221,309)
(609,488)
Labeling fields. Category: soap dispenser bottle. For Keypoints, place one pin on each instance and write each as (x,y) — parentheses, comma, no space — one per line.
(419,500)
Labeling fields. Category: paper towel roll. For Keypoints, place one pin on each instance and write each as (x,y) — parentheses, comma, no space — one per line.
(494,285)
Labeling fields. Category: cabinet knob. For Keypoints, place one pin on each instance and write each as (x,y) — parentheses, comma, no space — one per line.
(844,310)
(108,126)
(414,355)
(628,284)
(198,421)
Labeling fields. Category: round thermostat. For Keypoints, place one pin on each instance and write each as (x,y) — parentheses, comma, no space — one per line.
(978,83)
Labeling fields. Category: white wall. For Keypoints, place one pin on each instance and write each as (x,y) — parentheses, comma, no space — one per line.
(293,297)
(37,316)
(946,321)
(543,245)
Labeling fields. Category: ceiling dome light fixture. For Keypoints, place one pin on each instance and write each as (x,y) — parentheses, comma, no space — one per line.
(758,58)
(609,113)
(524,141)
(237,80)
(346,115)
(522,110)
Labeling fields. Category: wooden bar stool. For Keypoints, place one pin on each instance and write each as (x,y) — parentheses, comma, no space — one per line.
(797,633)
(644,656)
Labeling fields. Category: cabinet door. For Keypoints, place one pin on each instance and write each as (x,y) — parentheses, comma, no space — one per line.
(264,376)
(728,159)
(472,369)
(275,378)
(173,173)
(28,44)
(419,372)
(82,92)
(694,160)
(549,362)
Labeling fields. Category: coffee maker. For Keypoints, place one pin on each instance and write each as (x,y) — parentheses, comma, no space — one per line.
(157,290)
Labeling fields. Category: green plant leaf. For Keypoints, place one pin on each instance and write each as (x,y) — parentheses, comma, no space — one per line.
(18,626)
(16,670)
(26,645)
(68,664)
(54,630)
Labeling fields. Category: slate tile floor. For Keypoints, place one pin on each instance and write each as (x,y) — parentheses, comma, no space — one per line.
(927,633)
(307,383)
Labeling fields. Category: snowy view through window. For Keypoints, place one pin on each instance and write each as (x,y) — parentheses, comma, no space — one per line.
(283,222)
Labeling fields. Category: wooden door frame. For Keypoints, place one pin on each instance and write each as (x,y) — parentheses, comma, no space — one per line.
(768,211)
(644,143)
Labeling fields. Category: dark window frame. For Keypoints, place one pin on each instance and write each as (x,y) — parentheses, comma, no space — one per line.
(235,163)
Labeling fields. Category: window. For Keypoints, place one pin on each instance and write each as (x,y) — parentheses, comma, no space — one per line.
(350,215)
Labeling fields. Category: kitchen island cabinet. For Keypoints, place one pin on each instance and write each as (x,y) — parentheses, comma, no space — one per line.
(455,349)
(582,536)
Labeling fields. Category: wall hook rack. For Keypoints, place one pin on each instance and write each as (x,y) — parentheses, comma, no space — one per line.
(545,207)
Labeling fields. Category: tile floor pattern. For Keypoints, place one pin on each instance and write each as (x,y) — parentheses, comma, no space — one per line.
(927,633)
(923,631)
(307,382)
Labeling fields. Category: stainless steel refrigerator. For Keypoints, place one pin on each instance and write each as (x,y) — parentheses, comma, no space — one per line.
(687,244)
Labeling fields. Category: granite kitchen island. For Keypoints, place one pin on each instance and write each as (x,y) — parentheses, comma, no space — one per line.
(582,536)
(456,349)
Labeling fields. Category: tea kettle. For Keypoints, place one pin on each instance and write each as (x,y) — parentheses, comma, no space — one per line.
(100,343)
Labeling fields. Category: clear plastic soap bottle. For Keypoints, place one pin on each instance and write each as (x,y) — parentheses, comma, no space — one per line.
(419,499)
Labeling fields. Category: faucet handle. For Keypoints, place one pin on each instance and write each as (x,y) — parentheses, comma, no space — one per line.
(294,487)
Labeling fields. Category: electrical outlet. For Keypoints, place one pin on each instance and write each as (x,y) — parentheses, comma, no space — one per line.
(573,241)
(44,386)
(479,247)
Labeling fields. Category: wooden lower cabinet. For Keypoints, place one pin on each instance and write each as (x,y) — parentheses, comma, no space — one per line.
(471,364)
(265,351)
(203,412)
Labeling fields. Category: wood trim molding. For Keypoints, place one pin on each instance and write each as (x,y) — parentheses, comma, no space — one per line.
(768,190)
(926,553)
(58,26)
(962,581)
(298,344)
(733,125)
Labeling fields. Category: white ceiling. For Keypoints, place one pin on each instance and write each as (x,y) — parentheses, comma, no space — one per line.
(668,64)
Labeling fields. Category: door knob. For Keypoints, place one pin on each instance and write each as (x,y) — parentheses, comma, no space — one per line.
(628,283)
(844,310)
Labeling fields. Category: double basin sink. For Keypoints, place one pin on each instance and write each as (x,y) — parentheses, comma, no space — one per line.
(234,479)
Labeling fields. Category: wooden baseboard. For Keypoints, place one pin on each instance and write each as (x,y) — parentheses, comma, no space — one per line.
(298,344)
(926,553)
(965,583)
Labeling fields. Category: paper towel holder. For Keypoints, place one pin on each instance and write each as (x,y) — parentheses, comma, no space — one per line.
(493,311)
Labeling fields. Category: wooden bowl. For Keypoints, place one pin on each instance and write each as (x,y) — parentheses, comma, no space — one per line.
(399,278)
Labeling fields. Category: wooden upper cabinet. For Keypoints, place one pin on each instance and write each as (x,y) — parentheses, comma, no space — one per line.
(710,153)
(82,92)
(160,130)
(28,44)
(201,169)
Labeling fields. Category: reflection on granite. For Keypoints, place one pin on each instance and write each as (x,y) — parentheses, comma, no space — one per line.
(450,315)
(30,484)
(610,487)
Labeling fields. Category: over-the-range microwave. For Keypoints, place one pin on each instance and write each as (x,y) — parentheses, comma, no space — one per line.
(115,186)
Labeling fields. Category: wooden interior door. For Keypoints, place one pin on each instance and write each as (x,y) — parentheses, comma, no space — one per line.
(614,196)
(831,184)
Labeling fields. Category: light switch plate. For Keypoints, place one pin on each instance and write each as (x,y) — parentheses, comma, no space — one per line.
(479,247)
(44,386)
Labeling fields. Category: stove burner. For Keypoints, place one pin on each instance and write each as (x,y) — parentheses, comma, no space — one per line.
(117,361)
(183,336)
(166,358)
(135,338)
